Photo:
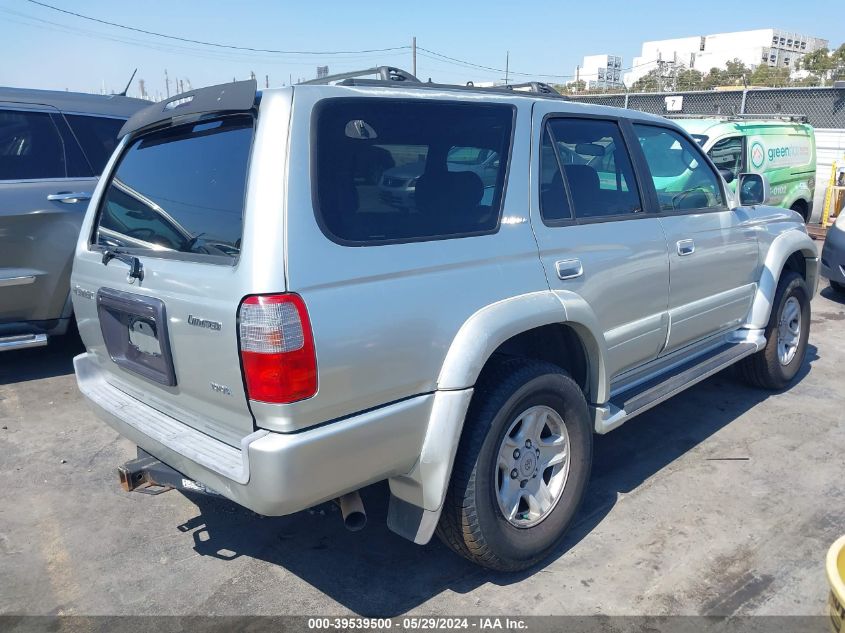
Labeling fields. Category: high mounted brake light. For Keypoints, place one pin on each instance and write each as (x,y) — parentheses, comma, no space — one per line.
(277,348)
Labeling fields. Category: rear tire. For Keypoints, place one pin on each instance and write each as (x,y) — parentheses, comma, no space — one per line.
(532,413)
(787,332)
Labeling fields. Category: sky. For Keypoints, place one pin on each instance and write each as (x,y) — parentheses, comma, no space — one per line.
(545,40)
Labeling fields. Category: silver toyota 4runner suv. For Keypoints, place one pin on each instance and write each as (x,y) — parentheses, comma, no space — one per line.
(288,295)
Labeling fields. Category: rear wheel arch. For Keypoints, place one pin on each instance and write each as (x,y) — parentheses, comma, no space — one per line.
(513,328)
(538,326)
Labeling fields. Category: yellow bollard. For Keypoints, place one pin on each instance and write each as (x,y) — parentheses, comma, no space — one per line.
(828,195)
(836,578)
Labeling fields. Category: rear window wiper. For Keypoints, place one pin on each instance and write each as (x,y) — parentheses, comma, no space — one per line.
(136,268)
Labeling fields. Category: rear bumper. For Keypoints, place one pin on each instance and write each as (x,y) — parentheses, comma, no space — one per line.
(833,255)
(270,473)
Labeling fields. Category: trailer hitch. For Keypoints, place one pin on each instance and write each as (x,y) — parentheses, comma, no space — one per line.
(150,476)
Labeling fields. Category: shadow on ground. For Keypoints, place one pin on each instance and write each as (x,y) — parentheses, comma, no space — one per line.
(832,295)
(56,359)
(375,572)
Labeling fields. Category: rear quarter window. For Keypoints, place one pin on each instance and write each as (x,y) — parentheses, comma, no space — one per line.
(179,192)
(390,170)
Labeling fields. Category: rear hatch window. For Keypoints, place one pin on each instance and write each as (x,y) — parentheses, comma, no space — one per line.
(179,193)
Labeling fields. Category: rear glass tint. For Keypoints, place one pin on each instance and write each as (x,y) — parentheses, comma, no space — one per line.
(98,137)
(30,146)
(180,192)
(388,170)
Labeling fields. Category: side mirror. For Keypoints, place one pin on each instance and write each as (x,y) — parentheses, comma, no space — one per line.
(753,189)
(727,174)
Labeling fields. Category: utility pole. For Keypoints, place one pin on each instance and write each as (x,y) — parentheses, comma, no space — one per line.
(414,56)
(266,81)
(181,86)
(142,88)
(167,83)
(578,78)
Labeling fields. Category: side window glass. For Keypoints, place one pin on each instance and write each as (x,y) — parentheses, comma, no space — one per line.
(682,179)
(98,137)
(30,146)
(597,167)
(76,165)
(727,154)
(554,203)
(387,170)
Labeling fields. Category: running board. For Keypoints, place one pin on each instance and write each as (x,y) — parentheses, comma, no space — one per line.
(641,398)
(22,341)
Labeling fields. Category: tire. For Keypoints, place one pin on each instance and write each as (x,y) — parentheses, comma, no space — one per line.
(837,287)
(473,523)
(766,368)
(801,209)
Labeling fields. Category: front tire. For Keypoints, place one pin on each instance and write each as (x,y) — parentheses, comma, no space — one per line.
(837,287)
(522,466)
(787,332)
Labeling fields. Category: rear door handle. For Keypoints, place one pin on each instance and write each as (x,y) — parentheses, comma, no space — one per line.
(685,247)
(569,268)
(69,197)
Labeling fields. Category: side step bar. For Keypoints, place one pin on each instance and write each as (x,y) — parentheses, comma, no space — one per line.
(641,398)
(22,341)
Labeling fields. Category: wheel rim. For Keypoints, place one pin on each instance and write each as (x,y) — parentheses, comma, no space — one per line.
(532,466)
(789,330)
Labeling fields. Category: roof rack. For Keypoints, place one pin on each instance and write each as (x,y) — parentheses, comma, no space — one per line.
(385,73)
(532,87)
(392,76)
(796,118)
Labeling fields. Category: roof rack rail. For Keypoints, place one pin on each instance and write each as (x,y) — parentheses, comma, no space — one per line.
(385,73)
(530,87)
(534,87)
(392,76)
(798,118)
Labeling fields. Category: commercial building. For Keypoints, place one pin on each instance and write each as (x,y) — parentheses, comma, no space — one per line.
(774,47)
(600,71)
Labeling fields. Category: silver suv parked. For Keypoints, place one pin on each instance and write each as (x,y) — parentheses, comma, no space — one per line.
(53,145)
(265,326)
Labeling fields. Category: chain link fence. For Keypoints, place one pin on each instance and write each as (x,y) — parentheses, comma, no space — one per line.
(823,107)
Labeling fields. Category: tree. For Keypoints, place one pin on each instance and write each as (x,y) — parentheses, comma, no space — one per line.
(650,82)
(572,87)
(689,79)
(817,62)
(714,77)
(769,76)
(736,73)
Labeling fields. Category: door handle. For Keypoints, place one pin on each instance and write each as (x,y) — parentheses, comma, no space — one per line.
(69,197)
(685,247)
(569,268)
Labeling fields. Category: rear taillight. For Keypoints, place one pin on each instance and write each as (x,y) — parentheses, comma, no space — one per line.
(277,348)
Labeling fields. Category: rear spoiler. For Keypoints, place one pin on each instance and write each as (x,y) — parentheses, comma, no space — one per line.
(238,96)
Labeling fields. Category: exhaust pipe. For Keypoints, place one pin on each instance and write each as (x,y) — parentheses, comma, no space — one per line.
(352,510)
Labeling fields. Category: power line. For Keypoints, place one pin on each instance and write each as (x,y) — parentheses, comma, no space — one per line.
(215,44)
(203,53)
